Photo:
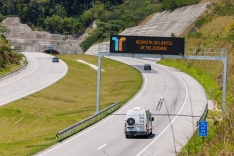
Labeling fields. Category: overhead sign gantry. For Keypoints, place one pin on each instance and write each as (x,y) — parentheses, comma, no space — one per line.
(158,47)
(141,46)
(147,45)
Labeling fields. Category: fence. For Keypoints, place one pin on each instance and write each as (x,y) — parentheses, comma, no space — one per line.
(67,132)
(14,72)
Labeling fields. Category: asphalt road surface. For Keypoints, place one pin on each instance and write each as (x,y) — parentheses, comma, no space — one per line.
(39,73)
(175,120)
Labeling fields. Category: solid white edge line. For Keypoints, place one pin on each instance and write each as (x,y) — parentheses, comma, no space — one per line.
(186,88)
(102,146)
(64,73)
(101,121)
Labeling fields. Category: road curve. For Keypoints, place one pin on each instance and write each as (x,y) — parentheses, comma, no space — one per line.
(39,73)
(174,122)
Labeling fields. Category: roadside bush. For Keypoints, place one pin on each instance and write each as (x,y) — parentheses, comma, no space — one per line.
(230,37)
(199,23)
(174,4)
(222,142)
(102,32)
(226,8)
(195,35)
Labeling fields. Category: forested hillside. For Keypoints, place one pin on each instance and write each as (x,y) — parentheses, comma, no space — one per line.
(7,56)
(9,60)
(73,17)
(55,16)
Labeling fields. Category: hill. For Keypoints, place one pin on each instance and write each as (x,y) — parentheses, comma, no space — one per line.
(164,24)
(23,38)
(215,29)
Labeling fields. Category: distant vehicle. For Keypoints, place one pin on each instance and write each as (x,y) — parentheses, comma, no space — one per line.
(55,59)
(138,122)
(54,52)
(147,67)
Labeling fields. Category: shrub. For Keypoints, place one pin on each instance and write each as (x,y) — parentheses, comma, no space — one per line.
(230,37)
(199,23)
(195,35)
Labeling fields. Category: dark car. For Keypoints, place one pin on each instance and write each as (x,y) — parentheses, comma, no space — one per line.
(55,59)
(54,52)
(147,67)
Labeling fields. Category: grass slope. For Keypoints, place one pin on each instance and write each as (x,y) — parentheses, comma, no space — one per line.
(9,60)
(212,34)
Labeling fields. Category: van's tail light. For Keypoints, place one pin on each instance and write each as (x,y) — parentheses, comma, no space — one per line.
(146,127)
(125,126)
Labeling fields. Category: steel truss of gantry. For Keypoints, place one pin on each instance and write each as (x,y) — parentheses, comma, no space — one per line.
(191,53)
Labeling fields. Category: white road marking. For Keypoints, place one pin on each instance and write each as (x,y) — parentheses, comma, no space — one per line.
(58,78)
(89,64)
(186,96)
(100,122)
(25,75)
(102,146)
(118,112)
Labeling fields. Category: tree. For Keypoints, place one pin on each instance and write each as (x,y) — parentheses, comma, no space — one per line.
(3,29)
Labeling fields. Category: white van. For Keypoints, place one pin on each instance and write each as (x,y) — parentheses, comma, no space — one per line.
(138,122)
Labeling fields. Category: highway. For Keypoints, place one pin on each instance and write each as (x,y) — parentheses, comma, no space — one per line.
(175,120)
(39,73)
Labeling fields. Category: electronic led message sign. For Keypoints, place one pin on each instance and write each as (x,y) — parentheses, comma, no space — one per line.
(147,45)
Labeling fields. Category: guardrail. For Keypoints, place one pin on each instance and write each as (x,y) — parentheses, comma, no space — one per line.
(14,72)
(202,118)
(67,132)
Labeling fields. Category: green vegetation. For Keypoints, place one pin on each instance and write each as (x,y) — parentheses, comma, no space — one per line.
(72,18)
(114,21)
(191,67)
(173,4)
(130,13)
(214,30)
(9,60)
(3,30)
(53,106)
(29,125)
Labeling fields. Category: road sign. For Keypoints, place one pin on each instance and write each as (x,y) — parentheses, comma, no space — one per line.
(203,128)
(50,48)
(147,45)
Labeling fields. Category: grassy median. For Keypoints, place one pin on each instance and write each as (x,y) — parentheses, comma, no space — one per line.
(29,125)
